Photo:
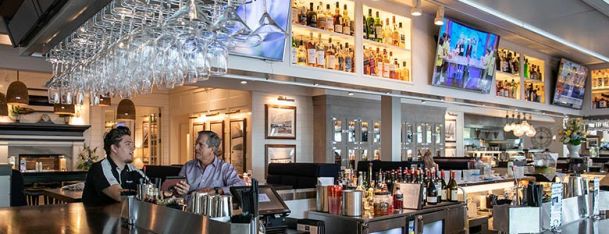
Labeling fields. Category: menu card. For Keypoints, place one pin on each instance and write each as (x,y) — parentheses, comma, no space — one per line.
(556,206)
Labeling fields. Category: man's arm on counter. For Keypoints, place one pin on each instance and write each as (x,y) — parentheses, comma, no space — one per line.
(232,178)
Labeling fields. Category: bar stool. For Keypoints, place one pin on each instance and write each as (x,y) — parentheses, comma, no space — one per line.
(32,196)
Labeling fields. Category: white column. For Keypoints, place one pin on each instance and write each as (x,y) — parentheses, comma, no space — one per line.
(391,118)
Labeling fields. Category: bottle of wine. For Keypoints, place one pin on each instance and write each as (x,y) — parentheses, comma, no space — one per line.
(311,16)
(378,28)
(338,19)
(311,51)
(370,30)
(432,190)
(444,196)
(346,23)
(452,187)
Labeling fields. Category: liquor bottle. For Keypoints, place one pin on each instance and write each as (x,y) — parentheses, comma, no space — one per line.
(349,58)
(513,89)
(302,16)
(295,12)
(378,28)
(302,53)
(452,187)
(340,57)
(311,52)
(321,17)
(360,182)
(370,174)
(389,181)
(444,196)
(346,23)
(402,36)
(398,199)
(379,63)
(311,16)
(386,64)
(320,53)
(432,191)
(370,30)
(395,34)
(294,51)
(387,33)
(329,19)
(394,68)
(367,61)
(372,62)
(438,183)
(405,72)
(338,19)
(330,55)
(526,68)
(499,87)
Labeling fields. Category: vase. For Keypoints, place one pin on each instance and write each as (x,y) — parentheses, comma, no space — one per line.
(574,150)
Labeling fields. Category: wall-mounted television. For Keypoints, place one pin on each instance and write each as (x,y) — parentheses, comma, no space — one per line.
(253,14)
(570,84)
(465,58)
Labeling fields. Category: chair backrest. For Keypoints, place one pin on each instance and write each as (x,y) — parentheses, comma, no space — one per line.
(17,195)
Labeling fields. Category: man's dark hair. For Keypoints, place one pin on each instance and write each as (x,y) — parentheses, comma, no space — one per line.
(114,136)
(213,141)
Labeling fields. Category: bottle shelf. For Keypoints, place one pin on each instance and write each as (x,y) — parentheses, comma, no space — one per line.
(388,79)
(534,81)
(385,46)
(322,69)
(299,29)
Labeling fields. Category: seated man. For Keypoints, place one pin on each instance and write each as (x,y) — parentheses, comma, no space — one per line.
(207,172)
(108,177)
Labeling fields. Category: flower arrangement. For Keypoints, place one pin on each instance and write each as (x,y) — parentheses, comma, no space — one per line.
(87,157)
(574,132)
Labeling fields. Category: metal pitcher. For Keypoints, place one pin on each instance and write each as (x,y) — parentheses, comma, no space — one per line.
(322,198)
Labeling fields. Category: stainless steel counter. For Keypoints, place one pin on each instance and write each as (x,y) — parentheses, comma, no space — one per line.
(586,226)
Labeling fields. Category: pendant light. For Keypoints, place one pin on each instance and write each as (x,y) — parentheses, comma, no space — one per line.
(3,105)
(17,93)
(416,9)
(439,20)
(64,109)
(125,110)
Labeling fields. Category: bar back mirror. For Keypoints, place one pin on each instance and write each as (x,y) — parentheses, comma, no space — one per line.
(338,130)
(420,133)
(428,133)
(438,133)
(377,132)
(364,131)
(351,131)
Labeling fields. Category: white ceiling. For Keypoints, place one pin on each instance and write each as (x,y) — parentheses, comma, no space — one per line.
(583,22)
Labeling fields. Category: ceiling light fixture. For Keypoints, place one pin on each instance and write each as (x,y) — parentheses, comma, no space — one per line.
(125,110)
(243,82)
(416,9)
(439,20)
(17,93)
(351,94)
(534,29)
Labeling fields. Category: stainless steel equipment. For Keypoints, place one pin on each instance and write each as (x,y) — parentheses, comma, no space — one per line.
(222,206)
(352,203)
(322,198)
(577,186)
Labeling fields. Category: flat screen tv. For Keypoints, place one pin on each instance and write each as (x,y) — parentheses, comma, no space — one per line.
(253,14)
(465,58)
(570,84)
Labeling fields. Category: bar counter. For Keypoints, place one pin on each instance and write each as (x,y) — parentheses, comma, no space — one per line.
(65,218)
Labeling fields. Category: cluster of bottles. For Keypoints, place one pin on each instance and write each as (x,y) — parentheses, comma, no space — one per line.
(383,64)
(390,34)
(532,93)
(323,19)
(385,185)
(532,71)
(507,61)
(328,55)
(601,101)
(507,89)
(600,78)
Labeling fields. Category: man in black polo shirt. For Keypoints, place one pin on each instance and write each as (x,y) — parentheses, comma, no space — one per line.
(108,177)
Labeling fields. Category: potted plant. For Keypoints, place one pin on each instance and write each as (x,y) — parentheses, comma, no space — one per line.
(573,134)
(87,157)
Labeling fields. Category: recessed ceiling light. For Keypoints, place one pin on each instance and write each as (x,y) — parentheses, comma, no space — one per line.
(316,84)
(243,82)
(351,94)
(5,40)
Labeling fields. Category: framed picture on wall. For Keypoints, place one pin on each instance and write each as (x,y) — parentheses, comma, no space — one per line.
(218,128)
(450,130)
(196,128)
(279,154)
(280,122)
(237,133)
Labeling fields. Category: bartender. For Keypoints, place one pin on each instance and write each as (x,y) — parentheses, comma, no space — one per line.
(107,178)
(207,173)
